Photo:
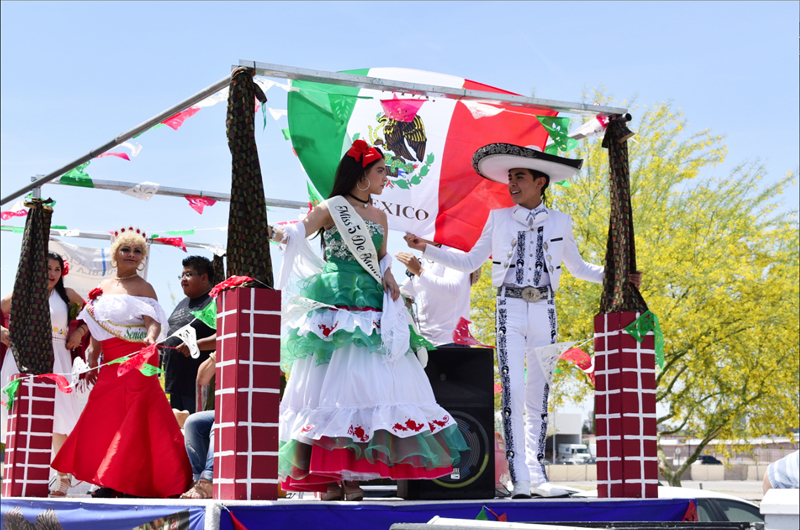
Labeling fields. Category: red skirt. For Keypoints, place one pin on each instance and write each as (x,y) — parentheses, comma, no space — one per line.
(127,437)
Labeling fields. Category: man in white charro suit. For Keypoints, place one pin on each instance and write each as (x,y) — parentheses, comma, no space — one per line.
(528,243)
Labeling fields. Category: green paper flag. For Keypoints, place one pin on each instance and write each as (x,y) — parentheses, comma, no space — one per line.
(551,149)
(77,177)
(286,134)
(118,360)
(58,227)
(558,129)
(264,112)
(30,196)
(564,183)
(643,325)
(313,195)
(208,315)
(157,126)
(149,369)
(179,233)
(11,392)
(482,516)
(14,229)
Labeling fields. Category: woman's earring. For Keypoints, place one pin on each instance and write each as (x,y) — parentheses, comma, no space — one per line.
(142,264)
(359,182)
(113,264)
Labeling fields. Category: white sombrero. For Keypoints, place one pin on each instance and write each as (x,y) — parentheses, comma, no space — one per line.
(494,161)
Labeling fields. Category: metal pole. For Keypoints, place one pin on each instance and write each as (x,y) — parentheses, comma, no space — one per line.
(118,185)
(433,91)
(171,111)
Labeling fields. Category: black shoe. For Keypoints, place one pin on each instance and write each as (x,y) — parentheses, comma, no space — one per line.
(521,496)
(106,493)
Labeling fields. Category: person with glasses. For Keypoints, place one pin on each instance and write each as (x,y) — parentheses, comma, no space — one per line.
(180,378)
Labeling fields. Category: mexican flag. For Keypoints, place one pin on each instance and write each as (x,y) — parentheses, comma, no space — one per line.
(428,143)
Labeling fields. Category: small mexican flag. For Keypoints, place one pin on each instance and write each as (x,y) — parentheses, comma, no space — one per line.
(428,144)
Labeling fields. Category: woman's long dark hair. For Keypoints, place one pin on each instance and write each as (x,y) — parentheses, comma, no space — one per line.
(60,289)
(348,174)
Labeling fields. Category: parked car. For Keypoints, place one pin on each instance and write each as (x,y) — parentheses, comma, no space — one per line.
(711,505)
(708,459)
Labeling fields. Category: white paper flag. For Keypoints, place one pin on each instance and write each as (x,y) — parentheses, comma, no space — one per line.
(189,337)
(143,191)
(548,357)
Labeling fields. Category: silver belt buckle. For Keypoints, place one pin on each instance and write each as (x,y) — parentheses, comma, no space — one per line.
(531,294)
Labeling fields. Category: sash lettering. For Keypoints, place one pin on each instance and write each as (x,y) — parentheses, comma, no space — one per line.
(355,235)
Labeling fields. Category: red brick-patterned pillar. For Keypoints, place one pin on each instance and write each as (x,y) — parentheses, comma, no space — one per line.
(625,409)
(248,394)
(29,439)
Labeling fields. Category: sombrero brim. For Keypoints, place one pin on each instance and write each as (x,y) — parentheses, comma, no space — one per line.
(493,162)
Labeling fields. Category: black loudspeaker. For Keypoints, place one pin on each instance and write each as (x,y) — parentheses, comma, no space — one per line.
(463,383)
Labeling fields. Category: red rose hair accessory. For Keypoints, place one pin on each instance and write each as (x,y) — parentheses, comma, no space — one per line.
(65,270)
(363,153)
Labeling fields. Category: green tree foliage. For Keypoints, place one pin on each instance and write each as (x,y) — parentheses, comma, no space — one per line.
(720,267)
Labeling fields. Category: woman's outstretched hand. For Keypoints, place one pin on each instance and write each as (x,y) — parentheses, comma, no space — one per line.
(415,242)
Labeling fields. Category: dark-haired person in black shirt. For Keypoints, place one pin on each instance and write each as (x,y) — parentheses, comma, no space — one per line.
(197,280)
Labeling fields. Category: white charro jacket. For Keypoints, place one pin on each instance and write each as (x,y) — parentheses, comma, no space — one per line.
(499,240)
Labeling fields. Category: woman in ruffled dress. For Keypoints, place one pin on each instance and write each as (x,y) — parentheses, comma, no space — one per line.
(127,438)
(65,304)
(358,404)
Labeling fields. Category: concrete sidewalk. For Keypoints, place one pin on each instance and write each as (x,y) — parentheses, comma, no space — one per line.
(750,490)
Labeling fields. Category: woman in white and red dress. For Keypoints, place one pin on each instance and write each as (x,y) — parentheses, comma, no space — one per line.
(358,404)
(127,438)
(64,303)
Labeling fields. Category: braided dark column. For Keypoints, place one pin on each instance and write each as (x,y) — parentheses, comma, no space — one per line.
(618,293)
(248,238)
(30,325)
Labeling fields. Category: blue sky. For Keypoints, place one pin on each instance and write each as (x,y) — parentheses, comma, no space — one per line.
(75,75)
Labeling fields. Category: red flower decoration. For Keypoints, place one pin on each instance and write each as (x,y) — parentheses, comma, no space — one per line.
(94,293)
(231,282)
(65,270)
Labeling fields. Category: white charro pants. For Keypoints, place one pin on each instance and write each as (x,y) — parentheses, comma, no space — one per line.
(521,327)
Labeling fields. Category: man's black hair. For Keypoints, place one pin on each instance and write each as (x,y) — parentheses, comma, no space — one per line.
(536,174)
(201,265)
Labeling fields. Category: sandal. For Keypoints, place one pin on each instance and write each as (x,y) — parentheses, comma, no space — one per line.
(59,485)
(334,493)
(202,489)
(352,491)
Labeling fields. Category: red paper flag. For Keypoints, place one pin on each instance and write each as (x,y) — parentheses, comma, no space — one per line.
(578,357)
(498,388)
(15,210)
(137,361)
(461,334)
(172,241)
(176,121)
(237,524)
(691,512)
(9,214)
(124,156)
(233,281)
(199,203)
(61,382)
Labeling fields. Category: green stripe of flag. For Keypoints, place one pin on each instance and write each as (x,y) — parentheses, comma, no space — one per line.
(318,116)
